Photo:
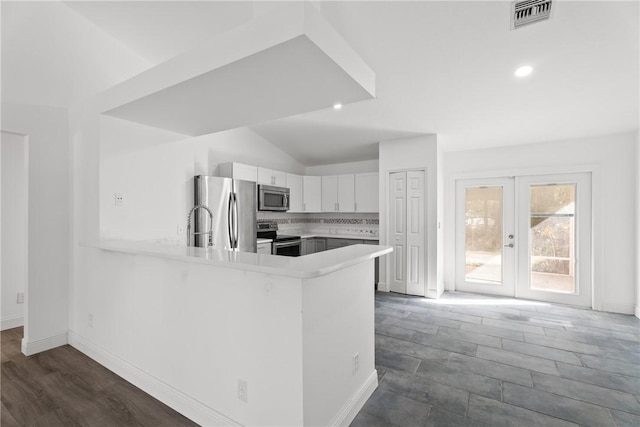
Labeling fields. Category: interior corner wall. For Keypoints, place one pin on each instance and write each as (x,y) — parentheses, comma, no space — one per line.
(420,152)
(47,294)
(637,309)
(612,159)
(14,221)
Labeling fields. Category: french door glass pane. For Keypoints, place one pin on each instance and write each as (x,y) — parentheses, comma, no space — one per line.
(552,238)
(483,235)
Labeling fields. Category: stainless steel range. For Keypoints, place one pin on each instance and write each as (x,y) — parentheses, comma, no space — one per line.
(284,245)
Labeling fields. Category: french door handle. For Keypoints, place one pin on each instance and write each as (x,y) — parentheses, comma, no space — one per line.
(510,245)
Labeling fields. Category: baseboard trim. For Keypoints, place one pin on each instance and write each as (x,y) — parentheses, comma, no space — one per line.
(347,414)
(432,294)
(11,322)
(30,348)
(613,307)
(170,396)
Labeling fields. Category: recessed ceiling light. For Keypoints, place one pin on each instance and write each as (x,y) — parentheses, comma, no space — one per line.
(524,71)
(337,106)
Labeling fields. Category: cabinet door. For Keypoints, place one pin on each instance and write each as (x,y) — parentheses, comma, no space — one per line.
(334,243)
(312,194)
(264,176)
(309,246)
(367,192)
(330,193)
(279,178)
(238,171)
(245,172)
(346,193)
(295,193)
(264,248)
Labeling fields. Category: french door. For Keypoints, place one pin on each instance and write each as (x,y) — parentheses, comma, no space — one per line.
(527,237)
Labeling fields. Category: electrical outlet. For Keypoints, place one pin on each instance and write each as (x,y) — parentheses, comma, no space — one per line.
(90,320)
(356,363)
(20,299)
(180,229)
(118,199)
(243,391)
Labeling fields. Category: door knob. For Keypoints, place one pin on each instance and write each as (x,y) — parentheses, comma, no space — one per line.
(510,245)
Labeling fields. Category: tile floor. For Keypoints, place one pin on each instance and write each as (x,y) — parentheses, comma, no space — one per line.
(469,360)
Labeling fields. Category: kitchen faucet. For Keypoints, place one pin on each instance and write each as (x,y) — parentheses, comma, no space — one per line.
(210,232)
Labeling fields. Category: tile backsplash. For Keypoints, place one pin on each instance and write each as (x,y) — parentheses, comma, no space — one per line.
(325,223)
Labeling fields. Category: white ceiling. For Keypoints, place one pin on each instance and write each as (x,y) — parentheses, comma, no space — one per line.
(441,67)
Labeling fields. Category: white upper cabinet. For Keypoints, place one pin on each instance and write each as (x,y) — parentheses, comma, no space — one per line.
(330,193)
(272,177)
(367,196)
(346,193)
(338,193)
(312,194)
(296,202)
(238,171)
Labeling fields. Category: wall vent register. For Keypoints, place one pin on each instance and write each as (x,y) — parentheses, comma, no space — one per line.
(529,11)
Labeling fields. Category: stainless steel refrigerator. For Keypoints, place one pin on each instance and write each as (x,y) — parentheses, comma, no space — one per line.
(232,204)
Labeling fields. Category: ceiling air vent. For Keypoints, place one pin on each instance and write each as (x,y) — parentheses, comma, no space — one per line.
(529,11)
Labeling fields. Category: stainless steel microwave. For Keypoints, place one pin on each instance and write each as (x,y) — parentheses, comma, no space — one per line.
(272,198)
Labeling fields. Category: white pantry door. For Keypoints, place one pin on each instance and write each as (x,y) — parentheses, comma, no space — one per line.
(407,220)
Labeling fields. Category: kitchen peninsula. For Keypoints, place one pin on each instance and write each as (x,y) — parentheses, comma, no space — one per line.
(198,325)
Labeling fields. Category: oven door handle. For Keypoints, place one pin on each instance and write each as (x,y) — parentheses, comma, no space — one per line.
(287,243)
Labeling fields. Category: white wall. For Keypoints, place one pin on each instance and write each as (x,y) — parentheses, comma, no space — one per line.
(342,168)
(153,170)
(46,317)
(412,153)
(611,158)
(14,226)
(187,332)
(338,323)
(14,223)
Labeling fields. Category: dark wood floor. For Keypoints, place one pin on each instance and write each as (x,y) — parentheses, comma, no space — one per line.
(63,387)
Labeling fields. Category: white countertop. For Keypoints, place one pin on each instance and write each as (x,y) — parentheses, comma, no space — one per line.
(264,241)
(304,267)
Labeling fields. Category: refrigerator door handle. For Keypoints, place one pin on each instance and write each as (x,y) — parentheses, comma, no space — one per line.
(230,221)
(235,222)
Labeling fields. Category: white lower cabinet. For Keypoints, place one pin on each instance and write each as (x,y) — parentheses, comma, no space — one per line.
(313,245)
